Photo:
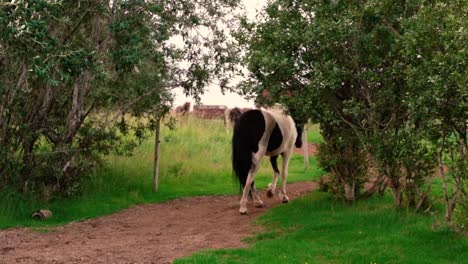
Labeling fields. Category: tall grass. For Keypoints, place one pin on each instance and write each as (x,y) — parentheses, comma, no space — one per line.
(195,160)
(313,133)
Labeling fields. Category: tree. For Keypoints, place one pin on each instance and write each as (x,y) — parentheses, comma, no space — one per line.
(70,71)
(282,57)
(434,50)
(360,69)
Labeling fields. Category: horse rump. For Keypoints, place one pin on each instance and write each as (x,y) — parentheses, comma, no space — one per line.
(248,131)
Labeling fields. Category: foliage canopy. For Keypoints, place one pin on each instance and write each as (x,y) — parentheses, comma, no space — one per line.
(71,70)
(388,77)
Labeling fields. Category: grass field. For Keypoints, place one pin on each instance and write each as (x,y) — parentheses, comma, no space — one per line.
(195,160)
(313,134)
(314,229)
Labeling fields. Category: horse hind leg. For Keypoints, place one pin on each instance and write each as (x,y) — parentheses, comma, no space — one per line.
(248,189)
(284,176)
(256,198)
(272,186)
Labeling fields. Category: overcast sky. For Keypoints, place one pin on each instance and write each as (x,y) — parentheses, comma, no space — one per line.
(213,95)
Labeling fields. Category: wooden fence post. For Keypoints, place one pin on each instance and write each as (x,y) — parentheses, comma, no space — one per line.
(305,146)
(156,153)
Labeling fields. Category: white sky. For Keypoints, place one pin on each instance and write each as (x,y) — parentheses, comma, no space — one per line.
(213,95)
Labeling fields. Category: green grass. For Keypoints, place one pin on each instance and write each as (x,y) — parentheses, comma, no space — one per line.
(314,229)
(195,160)
(318,229)
(313,134)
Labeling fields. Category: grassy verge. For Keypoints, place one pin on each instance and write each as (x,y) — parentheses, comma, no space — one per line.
(195,161)
(313,134)
(317,229)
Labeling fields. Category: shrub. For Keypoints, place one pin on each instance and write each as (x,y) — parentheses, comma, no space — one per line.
(346,161)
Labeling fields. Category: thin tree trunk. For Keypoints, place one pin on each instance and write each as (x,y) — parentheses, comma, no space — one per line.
(396,190)
(306,148)
(156,154)
(397,196)
(448,204)
(349,192)
(423,198)
(378,185)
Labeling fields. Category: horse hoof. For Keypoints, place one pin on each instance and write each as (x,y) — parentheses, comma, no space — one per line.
(270,193)
(285,201)
(260,205)
(244,213)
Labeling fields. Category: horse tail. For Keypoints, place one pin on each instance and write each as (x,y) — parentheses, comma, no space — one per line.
(248,131)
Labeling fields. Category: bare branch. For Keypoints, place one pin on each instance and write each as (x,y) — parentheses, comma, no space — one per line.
(124,108)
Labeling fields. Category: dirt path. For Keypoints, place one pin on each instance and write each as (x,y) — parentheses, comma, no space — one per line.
(311,149)
(153,233)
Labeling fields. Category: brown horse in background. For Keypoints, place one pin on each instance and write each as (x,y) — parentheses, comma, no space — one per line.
(231,115)
(183,109)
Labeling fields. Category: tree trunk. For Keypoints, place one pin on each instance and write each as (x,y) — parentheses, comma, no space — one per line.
(397,196)
(448,201)
(349,192)
(423,198)
(156,154)
(379,185)
(306,148)
(394,184)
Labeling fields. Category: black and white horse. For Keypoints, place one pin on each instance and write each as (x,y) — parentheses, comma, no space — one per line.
(258,133)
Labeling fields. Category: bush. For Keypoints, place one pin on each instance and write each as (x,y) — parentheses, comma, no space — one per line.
(344,158)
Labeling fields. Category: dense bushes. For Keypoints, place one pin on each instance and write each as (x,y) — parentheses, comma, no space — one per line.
(71,70)
(389,78)
(342,156)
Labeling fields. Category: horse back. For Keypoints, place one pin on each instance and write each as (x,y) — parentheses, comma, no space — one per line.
(272,129)
(283,134)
